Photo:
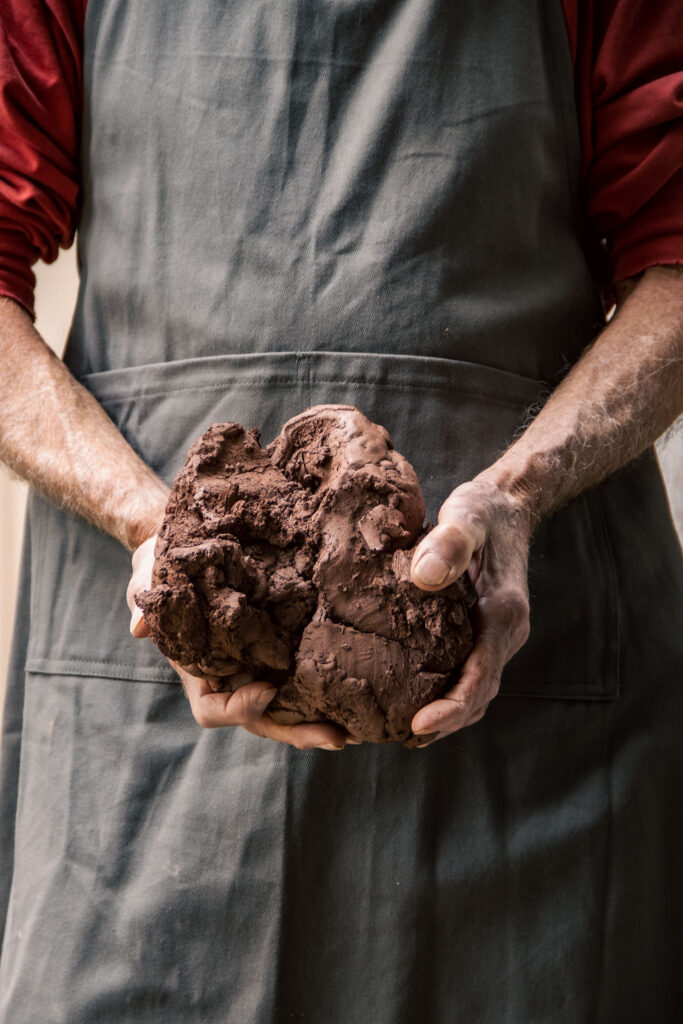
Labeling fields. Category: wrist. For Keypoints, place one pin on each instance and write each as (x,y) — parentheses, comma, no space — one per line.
(519,483)
(142,517)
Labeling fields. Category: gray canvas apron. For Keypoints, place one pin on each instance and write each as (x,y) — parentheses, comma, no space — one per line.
(375,202)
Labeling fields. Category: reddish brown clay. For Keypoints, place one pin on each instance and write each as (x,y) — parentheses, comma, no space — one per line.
(291,564)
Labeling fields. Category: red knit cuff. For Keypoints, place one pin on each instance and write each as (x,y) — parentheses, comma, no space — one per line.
(636,262)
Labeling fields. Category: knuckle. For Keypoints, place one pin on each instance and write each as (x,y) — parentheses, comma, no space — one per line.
(486,673)
(523,630)
(202,717)
(478,715)
(492,689)
(460,705)
(300,742)
(514,601)
(508,607)
(457,538)
(448,540)
(463,701)
(465,509)
(241,707)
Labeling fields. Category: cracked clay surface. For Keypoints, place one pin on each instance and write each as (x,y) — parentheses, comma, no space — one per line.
(290,564)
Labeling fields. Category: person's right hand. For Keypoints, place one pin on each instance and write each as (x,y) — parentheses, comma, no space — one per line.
(247,705)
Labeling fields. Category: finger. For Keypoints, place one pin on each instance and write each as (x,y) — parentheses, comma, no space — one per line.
(246,707)
(502,620)
(467,701)
(213,710)
(445,553)
(305,736)
(143,565)
(137,584)
(426,741)
(138,626)
(144,554)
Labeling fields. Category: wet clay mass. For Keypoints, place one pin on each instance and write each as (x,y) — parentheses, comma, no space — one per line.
(291,564)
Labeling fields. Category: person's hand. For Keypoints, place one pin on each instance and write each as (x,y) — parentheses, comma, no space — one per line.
(482,530)
(247,705)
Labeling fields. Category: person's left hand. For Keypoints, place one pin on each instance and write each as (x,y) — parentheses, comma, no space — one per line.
(485,531)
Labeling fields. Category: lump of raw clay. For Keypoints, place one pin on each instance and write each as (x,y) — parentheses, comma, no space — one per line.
(290,564)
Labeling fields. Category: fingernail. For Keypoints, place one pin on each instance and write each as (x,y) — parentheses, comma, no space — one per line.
(264,699)
(328,746)
(431,569)
(427,741)
(422,729)
(354,743)
(135,619)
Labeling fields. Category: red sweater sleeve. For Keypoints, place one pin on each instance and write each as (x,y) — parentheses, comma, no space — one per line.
(40,115)
(629,78)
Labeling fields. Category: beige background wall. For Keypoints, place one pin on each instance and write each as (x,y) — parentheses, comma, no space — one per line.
(55,298)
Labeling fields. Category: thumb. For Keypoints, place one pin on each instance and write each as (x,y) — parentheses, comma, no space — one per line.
(138,626)
(445,554)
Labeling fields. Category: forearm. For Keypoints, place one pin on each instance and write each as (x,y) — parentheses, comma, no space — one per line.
(55,435)
(624,392)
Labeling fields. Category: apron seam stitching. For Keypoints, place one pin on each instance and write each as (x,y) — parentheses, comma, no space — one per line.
(469,392)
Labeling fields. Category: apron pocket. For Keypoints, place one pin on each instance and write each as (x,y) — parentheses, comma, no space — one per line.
(450,419)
